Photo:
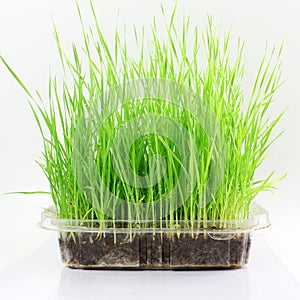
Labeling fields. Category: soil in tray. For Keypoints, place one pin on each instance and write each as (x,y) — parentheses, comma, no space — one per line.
(153,251)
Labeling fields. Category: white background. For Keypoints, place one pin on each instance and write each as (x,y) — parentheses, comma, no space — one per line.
(27,43)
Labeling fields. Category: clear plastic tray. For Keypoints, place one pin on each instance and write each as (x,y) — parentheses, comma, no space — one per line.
(214,244)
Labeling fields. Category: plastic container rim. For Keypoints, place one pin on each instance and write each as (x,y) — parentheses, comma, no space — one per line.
(258,218)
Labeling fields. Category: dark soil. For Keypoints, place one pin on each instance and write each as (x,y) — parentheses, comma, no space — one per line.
(153,251)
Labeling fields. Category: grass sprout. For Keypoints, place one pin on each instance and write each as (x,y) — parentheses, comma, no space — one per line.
(99,66)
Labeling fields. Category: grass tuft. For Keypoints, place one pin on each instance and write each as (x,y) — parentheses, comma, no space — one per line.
(245,128)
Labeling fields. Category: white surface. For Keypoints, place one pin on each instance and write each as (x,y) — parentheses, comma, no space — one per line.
(42,276)
(27,43)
